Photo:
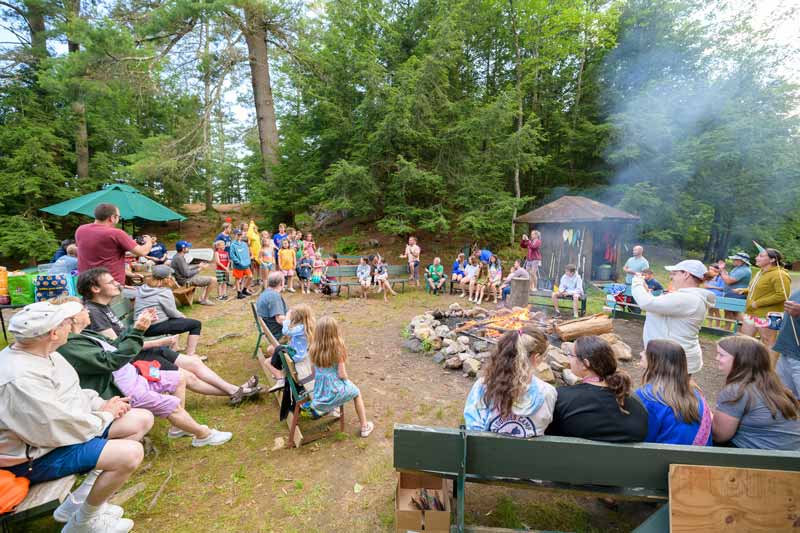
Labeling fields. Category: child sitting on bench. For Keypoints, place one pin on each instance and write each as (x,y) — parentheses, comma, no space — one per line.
(570,285)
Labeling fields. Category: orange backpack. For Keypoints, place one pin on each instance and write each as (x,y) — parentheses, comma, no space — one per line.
(13,490)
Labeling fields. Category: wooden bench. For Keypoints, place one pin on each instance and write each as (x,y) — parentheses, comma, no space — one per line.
(733,305)
(566,300)
(296,437)
(42,499)
(636,471)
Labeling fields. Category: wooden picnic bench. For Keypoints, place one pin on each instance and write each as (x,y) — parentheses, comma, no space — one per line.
(733,305)
(566,300)
(42,499)
(638,471)
(345,276)
(300,395)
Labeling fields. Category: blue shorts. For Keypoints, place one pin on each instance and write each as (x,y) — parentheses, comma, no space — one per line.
(64,461)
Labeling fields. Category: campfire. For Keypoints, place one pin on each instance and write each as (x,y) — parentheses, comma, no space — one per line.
(462,338)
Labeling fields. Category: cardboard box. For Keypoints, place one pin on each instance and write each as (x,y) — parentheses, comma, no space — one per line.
(410,519)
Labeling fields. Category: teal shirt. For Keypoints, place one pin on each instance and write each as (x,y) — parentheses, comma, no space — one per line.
(637,264)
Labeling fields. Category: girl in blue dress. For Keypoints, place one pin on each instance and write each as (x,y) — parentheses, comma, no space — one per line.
(332,388)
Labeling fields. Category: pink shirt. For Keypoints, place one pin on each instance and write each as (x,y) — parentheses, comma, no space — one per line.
(103,246)
(533,246)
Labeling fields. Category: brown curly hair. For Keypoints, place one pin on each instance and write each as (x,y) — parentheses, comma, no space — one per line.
(598,356)
(508,372)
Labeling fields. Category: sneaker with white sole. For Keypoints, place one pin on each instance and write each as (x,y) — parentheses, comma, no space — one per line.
(99,523)
(278,386)
(177,433)
(216,438)
(366,430)
(69,507)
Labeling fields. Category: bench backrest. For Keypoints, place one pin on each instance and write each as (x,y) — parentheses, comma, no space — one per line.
(566,460)
(123,308)
(347,271)
(397,270)
(730,304)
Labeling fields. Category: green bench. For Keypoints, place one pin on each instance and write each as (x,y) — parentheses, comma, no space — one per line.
(733,305)
(349,271)
(638,471)
(565,300)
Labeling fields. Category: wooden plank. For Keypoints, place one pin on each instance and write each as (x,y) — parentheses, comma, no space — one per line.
(298,434)
(47,492)
(723,499)
(567,460)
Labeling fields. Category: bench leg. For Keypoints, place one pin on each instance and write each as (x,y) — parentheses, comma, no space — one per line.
(341,418)
(258,344)
(293,427)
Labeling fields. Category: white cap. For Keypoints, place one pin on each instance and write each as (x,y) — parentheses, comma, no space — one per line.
(41,317)
(692,266)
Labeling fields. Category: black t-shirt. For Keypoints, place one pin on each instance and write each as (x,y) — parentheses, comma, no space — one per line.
(103,318)
(592,412)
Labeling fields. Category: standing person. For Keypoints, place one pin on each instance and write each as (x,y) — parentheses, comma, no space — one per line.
(635,264)
(412,254)
(267,256)
(158,253)
(188,276)
(754,409)
(768,290)
(570,285)
(677,412)
(509,398)
(277,238)
(240,260)
(304,270)
(716,285)
(222,266)
(100,244)
(677,315)
(788,345)
(309,244)
(332,386)
(287,263)
(533,259)
(225,236)
(156,293)
(254,244)
(51,427)
(66,264)
(738,277)
(602,407)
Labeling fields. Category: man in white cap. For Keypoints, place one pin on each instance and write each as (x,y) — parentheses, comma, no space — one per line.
(677,315)
(51,428)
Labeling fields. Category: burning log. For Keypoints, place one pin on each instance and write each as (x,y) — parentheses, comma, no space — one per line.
(580,327)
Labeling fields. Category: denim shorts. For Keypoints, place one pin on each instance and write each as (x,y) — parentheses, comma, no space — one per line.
(63,461)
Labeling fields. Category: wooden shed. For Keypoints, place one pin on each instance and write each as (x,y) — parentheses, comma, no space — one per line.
(583,232)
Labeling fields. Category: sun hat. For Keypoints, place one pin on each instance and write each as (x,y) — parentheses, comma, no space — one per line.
(741,256)
(41,317)
(162,272)
(692,266)
(181,245)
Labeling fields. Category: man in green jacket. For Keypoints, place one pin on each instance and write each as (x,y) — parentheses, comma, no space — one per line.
(94,357)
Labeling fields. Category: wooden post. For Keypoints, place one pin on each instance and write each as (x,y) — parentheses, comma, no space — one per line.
(520,289)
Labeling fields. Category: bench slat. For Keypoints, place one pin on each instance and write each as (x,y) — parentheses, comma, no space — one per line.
(567,460)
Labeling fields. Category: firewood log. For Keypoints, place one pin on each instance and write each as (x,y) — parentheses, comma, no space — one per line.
(580,327)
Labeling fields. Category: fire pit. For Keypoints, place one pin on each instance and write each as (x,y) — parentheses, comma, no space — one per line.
(462,338)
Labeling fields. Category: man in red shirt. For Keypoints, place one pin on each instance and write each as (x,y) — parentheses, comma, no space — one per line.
(101,244)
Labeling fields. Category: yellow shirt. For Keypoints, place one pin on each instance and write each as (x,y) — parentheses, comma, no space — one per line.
(286,259)
(254,241)
(768,290)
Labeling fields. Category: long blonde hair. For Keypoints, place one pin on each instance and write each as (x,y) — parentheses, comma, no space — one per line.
(302,314)
(327,347)
(508,372)
(668,376)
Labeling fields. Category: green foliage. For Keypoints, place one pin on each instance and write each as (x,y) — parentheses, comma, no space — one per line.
(348,187)
(25,239)
(347,245)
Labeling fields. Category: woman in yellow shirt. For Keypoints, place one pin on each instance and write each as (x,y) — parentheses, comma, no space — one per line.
(287,263)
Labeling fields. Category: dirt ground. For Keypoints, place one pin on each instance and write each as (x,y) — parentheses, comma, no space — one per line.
(341,483)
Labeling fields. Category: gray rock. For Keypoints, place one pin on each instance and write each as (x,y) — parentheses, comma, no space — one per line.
(439,357)
(454,363)
(442,330)
(413,345)
(471,366)
(455,306)
(423,332)
(463,339)
(480,356)
(480,346)
(435,324)
(447,342)
(455,348)
(467,355)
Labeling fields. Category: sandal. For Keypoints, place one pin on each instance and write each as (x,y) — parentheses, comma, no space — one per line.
(252,382)
(366,430)
(241,393)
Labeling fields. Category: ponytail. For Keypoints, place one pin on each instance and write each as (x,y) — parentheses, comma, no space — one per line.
(598,356)
(620,384)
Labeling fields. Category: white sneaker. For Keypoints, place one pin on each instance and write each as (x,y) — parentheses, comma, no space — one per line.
(216,438)
(177,433)
(278,386)
(99,523)
(69,507)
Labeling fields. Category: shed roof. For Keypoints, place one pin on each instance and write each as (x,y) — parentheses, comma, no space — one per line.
(572,209)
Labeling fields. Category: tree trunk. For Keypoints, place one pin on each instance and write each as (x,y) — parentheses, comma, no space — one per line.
(35,19)
(209,175)
(79,108)
(258,56)
(518,75)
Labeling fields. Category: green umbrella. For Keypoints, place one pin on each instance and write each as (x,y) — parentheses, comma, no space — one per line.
(131,203)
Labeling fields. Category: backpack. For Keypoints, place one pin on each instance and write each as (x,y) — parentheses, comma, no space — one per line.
(13,490)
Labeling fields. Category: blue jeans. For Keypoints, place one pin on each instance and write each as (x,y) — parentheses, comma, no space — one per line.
(788,369)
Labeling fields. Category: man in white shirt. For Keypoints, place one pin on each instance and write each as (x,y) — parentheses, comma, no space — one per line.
(571,284)
(51,428)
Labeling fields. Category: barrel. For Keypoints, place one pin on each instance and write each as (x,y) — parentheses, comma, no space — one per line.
(519,292)
(604,272)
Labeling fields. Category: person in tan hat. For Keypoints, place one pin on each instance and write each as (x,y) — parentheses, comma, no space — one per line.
(63,429)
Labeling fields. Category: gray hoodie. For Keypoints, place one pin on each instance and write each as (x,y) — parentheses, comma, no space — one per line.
(161,298)
(677,316)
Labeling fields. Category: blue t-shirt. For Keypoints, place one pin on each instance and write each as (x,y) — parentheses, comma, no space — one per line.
(158,250)
(278,239)
(485,255)
(65,265)
(742,276)
(61,252)
(637,264)
(654,285)
(269,305)
(786,343)
(297,340)
(226,239)
(716,286)
(458,268)
(662,425)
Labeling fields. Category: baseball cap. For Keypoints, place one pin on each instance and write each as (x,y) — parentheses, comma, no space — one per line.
(180,245)
(162,272)
(692,266)
(741,256)
(41,317)
(237,231)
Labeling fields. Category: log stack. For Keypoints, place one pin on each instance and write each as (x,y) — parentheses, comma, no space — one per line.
(580,327)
